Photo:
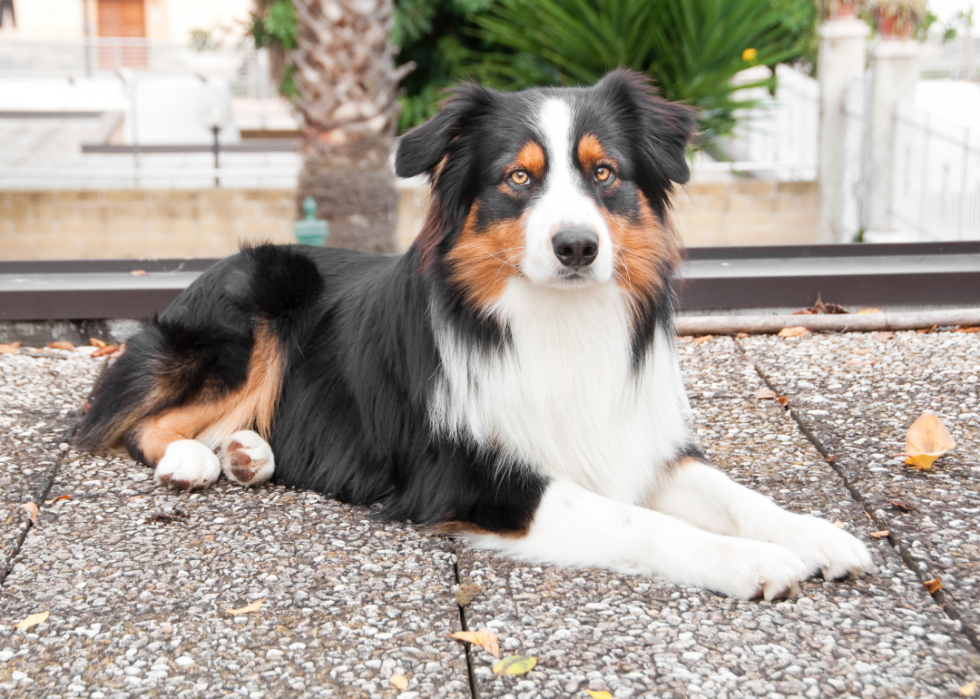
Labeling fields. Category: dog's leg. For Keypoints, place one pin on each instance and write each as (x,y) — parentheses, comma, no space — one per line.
(576,527)
(705,497)
(164,443)
(246,458)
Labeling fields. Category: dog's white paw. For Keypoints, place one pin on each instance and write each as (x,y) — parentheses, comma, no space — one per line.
(247,459)
(749,569)
(823,546)
(187,465)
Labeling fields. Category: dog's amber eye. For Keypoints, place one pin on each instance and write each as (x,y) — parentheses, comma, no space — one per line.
(519,177)
(602,173)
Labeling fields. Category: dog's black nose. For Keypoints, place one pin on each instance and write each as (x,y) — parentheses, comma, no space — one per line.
(575,246)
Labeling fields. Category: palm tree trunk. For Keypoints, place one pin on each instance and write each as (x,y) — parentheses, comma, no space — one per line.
(347,82)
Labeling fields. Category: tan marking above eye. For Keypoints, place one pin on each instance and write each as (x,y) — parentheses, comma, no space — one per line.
(519,177)
(603,173)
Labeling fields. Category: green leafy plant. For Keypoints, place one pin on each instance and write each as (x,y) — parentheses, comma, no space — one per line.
(691,48)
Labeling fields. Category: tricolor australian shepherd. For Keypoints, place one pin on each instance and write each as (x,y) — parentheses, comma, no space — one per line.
(511,378)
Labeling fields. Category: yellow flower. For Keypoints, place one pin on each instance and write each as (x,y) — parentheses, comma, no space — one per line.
(749,54)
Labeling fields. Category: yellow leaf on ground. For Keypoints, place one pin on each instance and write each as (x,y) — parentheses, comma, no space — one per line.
(61,345)
(248,609)
(870,310)
(926,441)
(399,682)
(933,586)
(10,349)
(515,665)
(599,695)
(703,338)
(485,638)
(765,394)
(839,524)
(880,535)
(96,342)
(54,500)
(31,510)
(967,329)
(795,331)
(969,690)
(32,620)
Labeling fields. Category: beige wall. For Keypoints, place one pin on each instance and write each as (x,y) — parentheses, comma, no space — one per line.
(212,223)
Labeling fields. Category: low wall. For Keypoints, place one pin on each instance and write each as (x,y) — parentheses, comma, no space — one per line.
(214,222)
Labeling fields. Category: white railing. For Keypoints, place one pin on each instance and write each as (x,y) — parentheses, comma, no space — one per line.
(245,68)
(936,182)
(854,167)
(780,134)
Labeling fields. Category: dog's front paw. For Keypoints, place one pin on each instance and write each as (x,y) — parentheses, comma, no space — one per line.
(825,547)
(749,569)
(187,465)
(247,459)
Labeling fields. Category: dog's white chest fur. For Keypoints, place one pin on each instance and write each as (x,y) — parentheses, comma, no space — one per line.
(564,397)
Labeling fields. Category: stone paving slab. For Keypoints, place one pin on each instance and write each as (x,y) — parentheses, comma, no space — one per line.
(138,581)
(882,636)
(862,410)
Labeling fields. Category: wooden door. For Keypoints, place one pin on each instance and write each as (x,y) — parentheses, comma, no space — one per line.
(122,19)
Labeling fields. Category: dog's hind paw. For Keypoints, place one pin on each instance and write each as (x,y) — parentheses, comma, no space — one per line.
(187,465)
(247,459)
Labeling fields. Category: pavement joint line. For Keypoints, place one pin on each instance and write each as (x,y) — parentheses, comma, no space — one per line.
(944,600)
(39,498)
(471,678)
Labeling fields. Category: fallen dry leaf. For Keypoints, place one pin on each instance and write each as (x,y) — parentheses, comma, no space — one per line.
(515,665)
(106,349)
(899,505)
(10,348)
(833,308)
(831,459)
(599,695)
(967,329)
(870,310)
(742,336)
(880,535)
(96,342)
(933,586)
(783,401)
(703,338)
(32,620)
(138,273)
(466,593)
(31,510)
(883,336)
(795,331)
(838,524)
(484,638)
(399,682)
(969,690)
(54,500)
(248,609)
(927,440)
(61,345)
(765,394)
(119,352)
(923,331)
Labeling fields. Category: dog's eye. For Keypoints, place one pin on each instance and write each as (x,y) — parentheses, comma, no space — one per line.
(519,177)
(603,173)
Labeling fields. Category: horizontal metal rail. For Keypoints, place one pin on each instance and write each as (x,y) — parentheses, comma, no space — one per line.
(912,274)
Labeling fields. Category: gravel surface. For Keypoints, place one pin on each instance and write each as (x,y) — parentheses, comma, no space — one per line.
(882,636)
(139,580)
(859,395)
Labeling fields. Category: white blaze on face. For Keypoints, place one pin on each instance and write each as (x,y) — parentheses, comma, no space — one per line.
(562,201)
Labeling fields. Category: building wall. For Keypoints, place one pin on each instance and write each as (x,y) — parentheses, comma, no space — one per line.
(214,222)
(165,19)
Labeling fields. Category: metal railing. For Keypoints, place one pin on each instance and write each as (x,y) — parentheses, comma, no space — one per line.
(245,67)
(780,135)
(936,183)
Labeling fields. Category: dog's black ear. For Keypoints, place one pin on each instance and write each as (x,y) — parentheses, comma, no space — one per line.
(423,148)
(665,128)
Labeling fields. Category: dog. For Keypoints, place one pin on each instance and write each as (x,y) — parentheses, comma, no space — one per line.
(511,379)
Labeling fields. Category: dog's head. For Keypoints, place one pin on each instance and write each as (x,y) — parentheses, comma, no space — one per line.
(564,187)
